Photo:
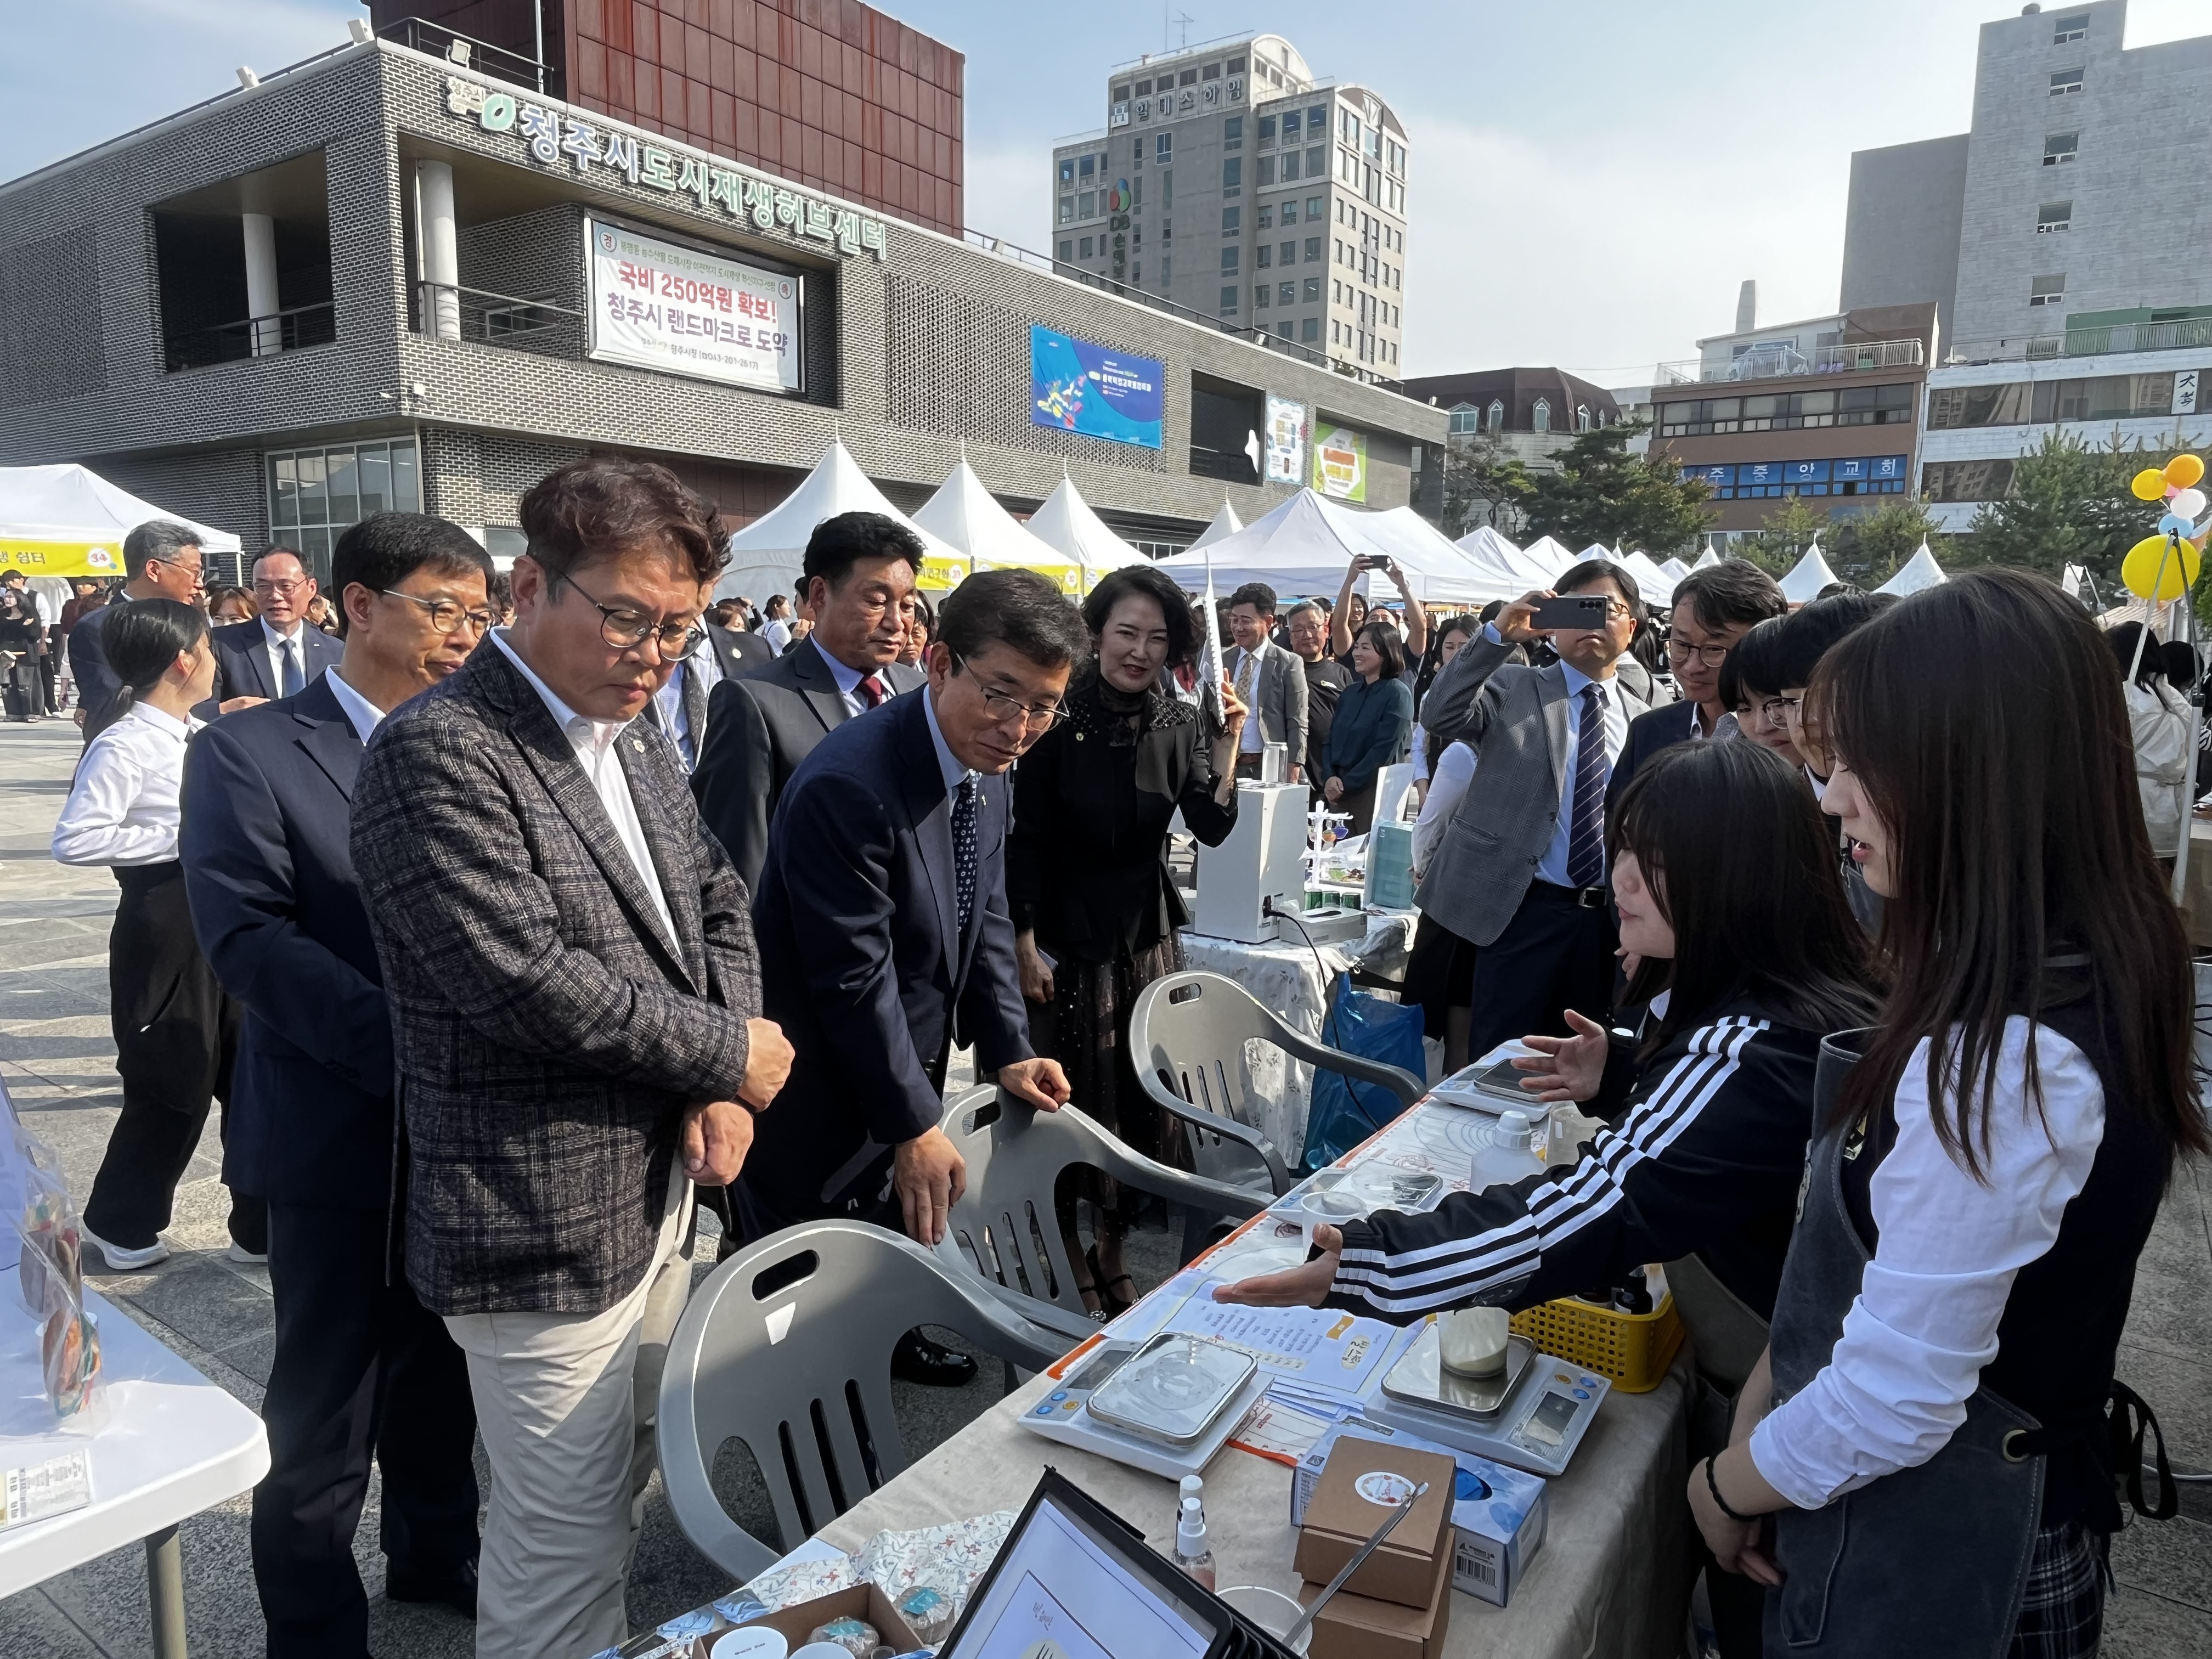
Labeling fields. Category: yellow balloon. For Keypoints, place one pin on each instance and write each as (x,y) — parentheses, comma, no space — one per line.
(2184,471)
(2149,561)
(2148,485)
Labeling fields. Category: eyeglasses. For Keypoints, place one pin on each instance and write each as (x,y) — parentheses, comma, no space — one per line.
(446,615)
(182,570)
(626,629)
(1681,651)
(1004,710)
(1776,710)
(263,584)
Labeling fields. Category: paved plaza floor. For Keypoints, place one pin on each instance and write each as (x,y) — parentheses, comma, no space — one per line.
(58,1059)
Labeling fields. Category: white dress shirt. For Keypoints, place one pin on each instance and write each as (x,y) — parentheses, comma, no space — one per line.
(363,715)
(296,642)
(778,635)
(121,809)
(1455,771)
(1254,738)
(593,743)
(849,679)
(1925,1322)
(1553,867)
(948,764)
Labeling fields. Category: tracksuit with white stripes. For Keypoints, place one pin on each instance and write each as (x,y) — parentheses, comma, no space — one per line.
(1705,1157)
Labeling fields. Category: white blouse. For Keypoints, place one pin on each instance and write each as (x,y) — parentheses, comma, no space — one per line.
(1925,1322)
(121,809)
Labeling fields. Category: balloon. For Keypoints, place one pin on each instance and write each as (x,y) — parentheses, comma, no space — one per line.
(2174,523)
(2184,470)
(2189,503)
(2171,491)
(2148,485)
(2151,560)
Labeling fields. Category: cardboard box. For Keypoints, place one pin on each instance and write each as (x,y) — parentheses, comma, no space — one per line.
(799,1621)
(1360,1627)
(1361,1481)
(1498,1522)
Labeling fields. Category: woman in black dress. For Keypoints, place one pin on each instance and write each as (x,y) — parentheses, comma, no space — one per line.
(1095,910)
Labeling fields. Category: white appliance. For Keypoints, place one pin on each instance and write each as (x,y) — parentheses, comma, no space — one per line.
(1263,861)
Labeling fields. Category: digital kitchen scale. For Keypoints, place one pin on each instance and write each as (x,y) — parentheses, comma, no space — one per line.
(1063,1412)
(1532,1418)
(1491,1085)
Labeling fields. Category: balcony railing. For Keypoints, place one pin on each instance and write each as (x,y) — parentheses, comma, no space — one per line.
(2112,338)
(544,326)
(253,336)
(1772,362)
(465,51)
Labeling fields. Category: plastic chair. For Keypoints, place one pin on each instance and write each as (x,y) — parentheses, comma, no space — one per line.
(1004,1228)
(1186,1036)
(786,1346)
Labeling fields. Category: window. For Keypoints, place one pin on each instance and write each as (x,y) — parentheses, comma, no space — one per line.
(1232,133)
(1497,415)
(1290,122)
(1086,205)
(1167,190)
(1290,167)
(1262,293)
(2065,81)
(1228,258)
(1232,174)
(1285,327)
(1085,252)
(2054,215)
(2069,29)
(1235,66)
(1314,208)
(1188,78)
(1871,405)
(1143,87)
(1316,161)
(315,493)
(1167,234)
(2048,291)
(1290,211)
(1137,151)
(1087,166)
(1121,95)
(1067,170)
(1289,253)
(1465,417)
(1287,294)
(2059,147)
(1211,72)
(1066,249)
(1265,257)
(2023,403)
(1162,146)
(1266,220)
(1137,275)
(1266,131)
(1067,210)
(1167,271)
(1965,481)
(1267,171)
(1540,418)
(1231,221)
(1137,192)
(1228,301)
(1312,290)
(1309,328)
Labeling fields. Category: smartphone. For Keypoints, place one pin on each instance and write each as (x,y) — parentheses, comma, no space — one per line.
(1376,561)
(1577,613)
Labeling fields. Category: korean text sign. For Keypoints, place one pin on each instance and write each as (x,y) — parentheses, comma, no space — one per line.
(655,305)
(1339,463)
(1083,387)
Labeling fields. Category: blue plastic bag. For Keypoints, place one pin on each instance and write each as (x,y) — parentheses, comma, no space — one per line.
(1346,1110)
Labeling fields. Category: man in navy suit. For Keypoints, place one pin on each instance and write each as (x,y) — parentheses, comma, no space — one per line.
(1713,609)
(278,652)
(360,1368)
(885,932)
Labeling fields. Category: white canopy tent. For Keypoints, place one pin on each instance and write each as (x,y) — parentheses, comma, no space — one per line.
(1807,577)
(1408,536)
(1304,546)
(1918,572)
(766,554)
(1519,569)
(1226,523)
(1656,587)
(1067,524)
(984,535)
(1707,559)
(67,521)
(1674,567)
(1551,554)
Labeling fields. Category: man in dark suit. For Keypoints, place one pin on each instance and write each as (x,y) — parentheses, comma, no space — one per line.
(1713,609)
(680,708)
(859,575)
(574,994)
(737,650)
(1521,871)
(362,1369)
(161,560)
(278,652)
(884,932)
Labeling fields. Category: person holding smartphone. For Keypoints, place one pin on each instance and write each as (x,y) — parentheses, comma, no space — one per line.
(1351,613)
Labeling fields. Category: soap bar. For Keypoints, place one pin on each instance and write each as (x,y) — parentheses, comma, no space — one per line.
(1473,1340)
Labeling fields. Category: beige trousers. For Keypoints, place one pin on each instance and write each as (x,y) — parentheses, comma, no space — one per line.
(566,1405)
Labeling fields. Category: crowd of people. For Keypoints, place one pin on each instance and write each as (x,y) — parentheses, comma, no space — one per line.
(525,915)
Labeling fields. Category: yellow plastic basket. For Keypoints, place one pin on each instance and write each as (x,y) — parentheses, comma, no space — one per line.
(1633,1350)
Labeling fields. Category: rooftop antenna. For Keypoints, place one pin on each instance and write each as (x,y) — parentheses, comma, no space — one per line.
(1170,20)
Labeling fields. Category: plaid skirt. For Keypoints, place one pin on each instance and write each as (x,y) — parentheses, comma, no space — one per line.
(2061,1611)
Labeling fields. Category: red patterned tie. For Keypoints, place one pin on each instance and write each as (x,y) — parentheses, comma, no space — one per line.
(870,689)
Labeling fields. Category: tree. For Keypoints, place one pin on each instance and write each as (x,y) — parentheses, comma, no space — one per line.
(1777,545)
(1483,484)
(1868,547)
(2068,504)
(1602,493)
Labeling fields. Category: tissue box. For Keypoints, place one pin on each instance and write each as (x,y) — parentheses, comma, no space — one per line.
(1360,1627)
(1497,1517)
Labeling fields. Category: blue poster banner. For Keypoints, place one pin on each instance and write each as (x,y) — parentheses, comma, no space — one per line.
(1081,386)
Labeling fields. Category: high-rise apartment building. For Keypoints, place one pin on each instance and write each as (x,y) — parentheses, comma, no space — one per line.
(1230,183)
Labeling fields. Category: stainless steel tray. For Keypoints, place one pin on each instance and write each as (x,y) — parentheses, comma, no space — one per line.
(1420,1377)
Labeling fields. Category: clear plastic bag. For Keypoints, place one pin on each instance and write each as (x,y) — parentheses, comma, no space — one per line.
(50,1281)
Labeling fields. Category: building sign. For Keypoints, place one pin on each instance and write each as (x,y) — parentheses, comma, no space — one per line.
(1339,463)
(2184,390)
(1285,441)
(658,305)
(1081,386)
(1866,474)
(1167,106)
(100,560)
(552,139)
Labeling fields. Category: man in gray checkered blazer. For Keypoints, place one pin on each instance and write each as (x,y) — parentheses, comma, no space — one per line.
(569,960)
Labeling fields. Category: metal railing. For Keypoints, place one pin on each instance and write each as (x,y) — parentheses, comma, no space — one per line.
(465,52)
(1250,333)
(265,336)
(1773,363)
(2110,337)
(454,313)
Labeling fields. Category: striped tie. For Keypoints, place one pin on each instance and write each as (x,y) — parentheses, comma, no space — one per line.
(1586,825)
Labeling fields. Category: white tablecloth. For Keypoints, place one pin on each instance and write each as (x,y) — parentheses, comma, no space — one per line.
(1287,978)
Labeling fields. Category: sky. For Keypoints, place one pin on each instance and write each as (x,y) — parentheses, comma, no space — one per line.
(1590,180)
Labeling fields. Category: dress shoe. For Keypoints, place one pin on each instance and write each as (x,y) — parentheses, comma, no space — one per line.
(455,1589)
(917,1359)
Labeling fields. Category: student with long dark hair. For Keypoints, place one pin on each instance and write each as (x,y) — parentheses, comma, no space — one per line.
(1374,718)
(1927,1427)
(176,1029)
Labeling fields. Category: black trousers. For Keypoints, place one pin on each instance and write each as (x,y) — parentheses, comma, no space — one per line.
(1554,955)
(176,1036)
(362,1369)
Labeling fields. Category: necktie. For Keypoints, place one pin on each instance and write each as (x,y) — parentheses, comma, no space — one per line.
(287,669)
(1247,671)
(1586,825)
(963,847)
(870,690)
